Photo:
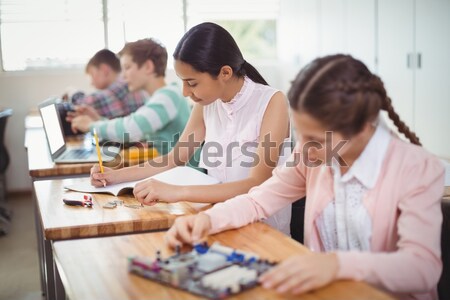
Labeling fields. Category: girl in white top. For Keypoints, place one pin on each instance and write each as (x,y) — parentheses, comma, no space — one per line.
(243,123)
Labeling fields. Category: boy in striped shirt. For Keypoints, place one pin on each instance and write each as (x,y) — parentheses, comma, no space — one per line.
(163,116)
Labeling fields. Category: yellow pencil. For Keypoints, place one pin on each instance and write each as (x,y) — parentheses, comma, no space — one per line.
(98,151)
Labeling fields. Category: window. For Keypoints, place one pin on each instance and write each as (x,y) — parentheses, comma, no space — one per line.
(49,33)
(66,33)
(130,20)
(252,23)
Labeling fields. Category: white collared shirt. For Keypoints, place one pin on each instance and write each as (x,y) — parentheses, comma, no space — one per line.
(345,223)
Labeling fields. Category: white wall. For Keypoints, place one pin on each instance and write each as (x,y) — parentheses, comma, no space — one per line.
(22,91)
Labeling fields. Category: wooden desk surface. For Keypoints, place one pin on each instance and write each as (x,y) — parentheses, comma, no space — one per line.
(61,221)
(97,268)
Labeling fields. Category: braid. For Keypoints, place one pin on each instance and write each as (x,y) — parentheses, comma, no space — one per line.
(371,85)
(375,85)
(387,106)
(402,127)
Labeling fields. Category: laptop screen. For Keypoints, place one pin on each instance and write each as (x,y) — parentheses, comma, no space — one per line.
(52,127)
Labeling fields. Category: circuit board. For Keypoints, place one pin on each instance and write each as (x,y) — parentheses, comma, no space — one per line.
(214,272)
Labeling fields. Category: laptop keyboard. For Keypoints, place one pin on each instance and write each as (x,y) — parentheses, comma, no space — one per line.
(77,153)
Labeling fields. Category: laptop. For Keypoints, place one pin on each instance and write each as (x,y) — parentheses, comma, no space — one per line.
(59,151)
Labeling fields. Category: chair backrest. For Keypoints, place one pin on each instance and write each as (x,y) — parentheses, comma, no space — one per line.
(4,157)
(298,219)
(444,282)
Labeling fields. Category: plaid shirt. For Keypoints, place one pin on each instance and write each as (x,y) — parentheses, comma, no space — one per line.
(115,101)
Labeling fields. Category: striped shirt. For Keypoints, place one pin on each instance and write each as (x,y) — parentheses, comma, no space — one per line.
(160,120)
(115,101)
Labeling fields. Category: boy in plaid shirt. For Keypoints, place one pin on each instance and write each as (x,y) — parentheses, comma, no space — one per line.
(113,99)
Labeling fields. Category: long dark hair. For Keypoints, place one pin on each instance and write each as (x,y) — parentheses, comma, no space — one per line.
(344,95)
(208,47)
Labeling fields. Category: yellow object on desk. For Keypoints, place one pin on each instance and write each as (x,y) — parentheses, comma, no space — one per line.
(98,151)
(138,153)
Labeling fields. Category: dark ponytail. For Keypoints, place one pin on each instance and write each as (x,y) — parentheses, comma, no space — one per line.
(208,47)
(252,73)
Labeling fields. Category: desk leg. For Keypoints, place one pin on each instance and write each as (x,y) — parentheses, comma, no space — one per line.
(59,287)
(40,243)
(50,287)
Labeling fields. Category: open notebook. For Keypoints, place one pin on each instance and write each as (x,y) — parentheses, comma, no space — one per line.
(177,175)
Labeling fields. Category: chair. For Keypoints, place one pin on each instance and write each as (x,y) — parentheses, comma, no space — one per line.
(298,219)
(444,282)
(5,214)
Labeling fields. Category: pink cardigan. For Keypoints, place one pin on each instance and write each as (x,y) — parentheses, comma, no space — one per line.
(404,206)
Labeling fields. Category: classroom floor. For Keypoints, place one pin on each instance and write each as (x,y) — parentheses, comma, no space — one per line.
(19,269)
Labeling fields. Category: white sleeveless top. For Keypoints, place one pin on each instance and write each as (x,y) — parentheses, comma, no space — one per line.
(232,137)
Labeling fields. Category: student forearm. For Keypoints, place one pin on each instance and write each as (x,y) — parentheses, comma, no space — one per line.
(217,192)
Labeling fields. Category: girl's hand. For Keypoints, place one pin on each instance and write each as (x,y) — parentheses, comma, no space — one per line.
(151,191)
(301,273)
(99,179)
(188,230)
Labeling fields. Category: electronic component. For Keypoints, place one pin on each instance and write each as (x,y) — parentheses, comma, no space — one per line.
(214,272)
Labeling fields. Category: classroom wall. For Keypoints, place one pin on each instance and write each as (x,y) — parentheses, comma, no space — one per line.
(22,91)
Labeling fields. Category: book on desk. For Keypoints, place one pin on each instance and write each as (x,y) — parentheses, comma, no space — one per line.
(178,176)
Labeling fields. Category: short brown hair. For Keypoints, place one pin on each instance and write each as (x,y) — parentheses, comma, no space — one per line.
(147,49)
(104,56)
(341,92)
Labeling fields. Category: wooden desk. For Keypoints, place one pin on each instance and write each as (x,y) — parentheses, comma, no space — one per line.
(57,221)
(41,167)
(60,221)
(97,268)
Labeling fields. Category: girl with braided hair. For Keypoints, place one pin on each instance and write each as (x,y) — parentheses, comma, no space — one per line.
(373,207)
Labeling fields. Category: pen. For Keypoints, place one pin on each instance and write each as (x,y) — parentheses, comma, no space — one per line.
(98,153)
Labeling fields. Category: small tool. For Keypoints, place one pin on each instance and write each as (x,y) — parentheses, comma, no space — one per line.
(86,201)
